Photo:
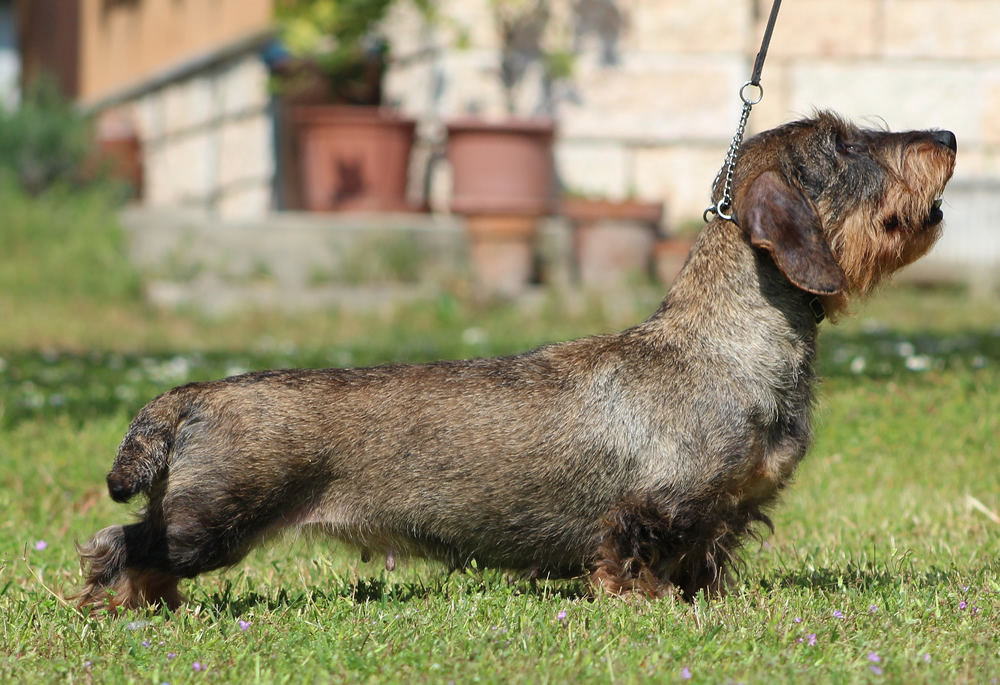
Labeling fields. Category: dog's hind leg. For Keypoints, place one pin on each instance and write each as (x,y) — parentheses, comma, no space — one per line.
(141,564)
(119,572)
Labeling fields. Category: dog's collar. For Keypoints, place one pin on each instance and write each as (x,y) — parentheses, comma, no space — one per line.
(818,310)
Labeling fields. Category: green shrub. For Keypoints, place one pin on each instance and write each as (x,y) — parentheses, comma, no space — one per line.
(44,140)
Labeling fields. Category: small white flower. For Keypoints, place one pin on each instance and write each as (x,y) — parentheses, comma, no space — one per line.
(474,336)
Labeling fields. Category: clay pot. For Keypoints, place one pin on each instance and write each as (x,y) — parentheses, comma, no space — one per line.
(502,180)
(353,158)
(669,257)
(614,240)
(118,151)
(502,251)
(501,166)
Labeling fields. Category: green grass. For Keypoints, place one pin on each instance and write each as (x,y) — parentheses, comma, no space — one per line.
(882,549)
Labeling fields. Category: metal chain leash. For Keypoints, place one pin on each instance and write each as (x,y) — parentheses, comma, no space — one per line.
(723,207)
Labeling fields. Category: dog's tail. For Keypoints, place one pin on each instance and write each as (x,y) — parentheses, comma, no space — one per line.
(145,451)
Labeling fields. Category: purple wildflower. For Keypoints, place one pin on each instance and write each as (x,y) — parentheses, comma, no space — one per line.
(962,605)
(927,658)
(145,643)
(171,655)
(872,656)
(561,616)
(837,613)
(686,673)
(798,619)
(876,670)
(872,609)
(244,625)
(811,639)
(41,545)
(197,666)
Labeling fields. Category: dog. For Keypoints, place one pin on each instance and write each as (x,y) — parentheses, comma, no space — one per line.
(641,460)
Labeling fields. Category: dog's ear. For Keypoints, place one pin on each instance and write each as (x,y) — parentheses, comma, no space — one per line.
(780,219)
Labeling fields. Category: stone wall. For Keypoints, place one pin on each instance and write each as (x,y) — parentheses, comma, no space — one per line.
(653,99)
(207,138)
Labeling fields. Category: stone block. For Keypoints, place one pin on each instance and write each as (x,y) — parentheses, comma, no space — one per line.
(681,176)
(245,201)
(412,88)
(243,86)
(822,28)
(594,168)
(775,108)
(657,98)
(410,33)
(906,95)
(471,84)
(189,166)
(150,119)
(246,150)
(158,187)
(688,26)
(189,103)
(467,23)
(922,28)
(990,107)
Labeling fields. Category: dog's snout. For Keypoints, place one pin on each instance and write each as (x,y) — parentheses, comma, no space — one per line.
(946,138)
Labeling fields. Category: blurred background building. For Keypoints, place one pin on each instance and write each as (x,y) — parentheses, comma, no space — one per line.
(641,96)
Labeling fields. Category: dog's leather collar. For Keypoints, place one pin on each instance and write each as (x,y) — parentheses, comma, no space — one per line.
(818,310)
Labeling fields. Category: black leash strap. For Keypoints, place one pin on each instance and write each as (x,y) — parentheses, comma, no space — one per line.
(758,65)
(723,206)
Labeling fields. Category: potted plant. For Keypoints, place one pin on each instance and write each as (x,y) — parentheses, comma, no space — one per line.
(613,240)
(502,167)
(352,154)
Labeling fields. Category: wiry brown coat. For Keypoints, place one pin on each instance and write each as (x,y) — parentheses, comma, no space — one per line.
(642,458)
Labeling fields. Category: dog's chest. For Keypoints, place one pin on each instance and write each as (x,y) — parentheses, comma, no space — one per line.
(780,434)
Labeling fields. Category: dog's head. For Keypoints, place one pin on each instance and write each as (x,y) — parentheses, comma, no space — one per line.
(839,207)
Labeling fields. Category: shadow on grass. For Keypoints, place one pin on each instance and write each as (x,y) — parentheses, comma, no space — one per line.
(381,591)
(867,579)
(884,353)
(35,384)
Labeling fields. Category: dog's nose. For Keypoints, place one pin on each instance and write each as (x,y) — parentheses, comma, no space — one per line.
(946,138)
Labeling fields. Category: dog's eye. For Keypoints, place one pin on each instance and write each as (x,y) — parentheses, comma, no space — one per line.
(847,149)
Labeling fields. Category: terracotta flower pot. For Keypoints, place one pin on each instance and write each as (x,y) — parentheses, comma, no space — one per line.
(502,251)
(502,176)
(501,167)
(669,257)
(614,240)
(353,158)
(118,151)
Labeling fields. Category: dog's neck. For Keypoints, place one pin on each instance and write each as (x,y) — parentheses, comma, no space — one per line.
(712,304)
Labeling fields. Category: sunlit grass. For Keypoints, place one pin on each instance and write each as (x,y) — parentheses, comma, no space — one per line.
(883,566)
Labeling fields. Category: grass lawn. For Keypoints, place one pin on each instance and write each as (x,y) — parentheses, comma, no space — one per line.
(883,567)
